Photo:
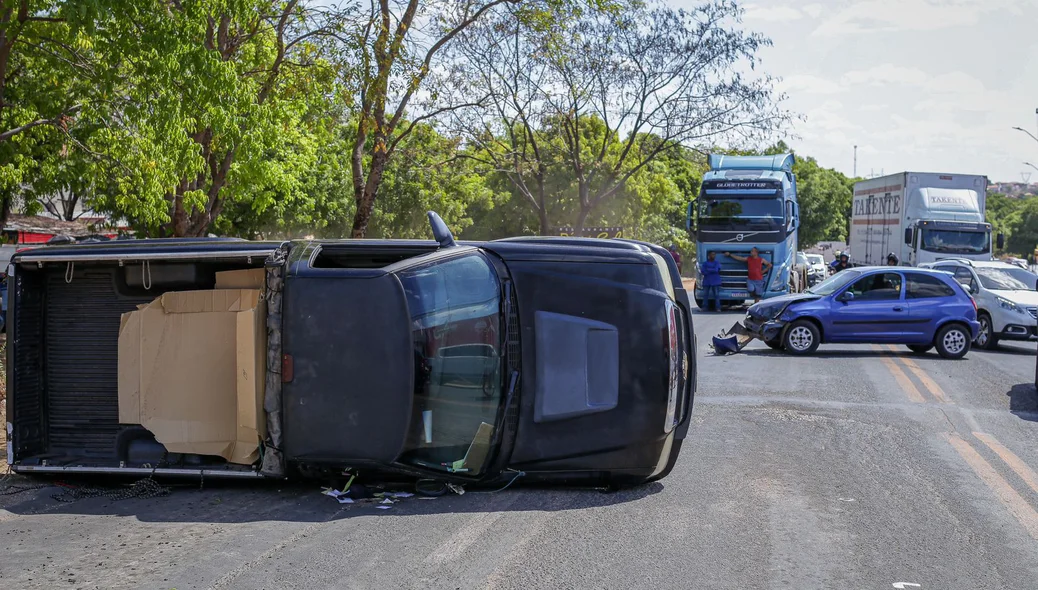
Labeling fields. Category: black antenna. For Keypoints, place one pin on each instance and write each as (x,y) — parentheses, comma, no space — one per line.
(440,231)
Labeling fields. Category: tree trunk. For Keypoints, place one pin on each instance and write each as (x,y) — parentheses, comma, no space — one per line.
(578,229)
(365,196)
(542,215)
(5,208)
(585,208)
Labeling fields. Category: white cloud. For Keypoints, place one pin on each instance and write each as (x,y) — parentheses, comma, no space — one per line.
(809,84)
(772,13)
(813,10)
(864,16)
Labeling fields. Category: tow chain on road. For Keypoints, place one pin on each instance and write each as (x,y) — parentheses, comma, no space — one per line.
(10,489)
(141,489)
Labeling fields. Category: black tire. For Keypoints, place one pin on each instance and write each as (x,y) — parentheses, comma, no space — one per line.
(699,304)
(775,344)
(986,338)
(920,348)
(801,338)
(952,341)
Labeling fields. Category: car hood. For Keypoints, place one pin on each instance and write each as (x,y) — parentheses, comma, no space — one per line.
(772,308)
(1023,297)
(594,368)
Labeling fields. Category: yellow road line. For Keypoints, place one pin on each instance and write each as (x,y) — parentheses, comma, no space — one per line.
(1014,502)
(931,385)
(1011,459)
(906,384)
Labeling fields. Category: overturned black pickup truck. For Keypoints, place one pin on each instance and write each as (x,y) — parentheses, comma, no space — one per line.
(568,360)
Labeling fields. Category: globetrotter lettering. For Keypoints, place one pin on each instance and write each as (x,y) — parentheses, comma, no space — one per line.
(742,185)
(881,205)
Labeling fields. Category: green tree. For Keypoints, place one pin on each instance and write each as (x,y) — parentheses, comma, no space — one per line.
(604,94)
(48,81)
(216,108)
(1003,213)
(398,43)
(825,199)
(1023,227)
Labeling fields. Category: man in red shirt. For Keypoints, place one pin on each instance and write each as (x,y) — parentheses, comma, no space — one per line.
(755,267)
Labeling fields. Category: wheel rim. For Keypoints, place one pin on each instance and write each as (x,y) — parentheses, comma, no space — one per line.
(800,338)
(985,325)
(954,341)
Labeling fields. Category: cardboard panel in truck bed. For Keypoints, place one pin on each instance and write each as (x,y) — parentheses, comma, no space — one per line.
(191,370)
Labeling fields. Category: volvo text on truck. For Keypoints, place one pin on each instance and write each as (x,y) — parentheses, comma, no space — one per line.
(747,202)
(922,217)
(569,360)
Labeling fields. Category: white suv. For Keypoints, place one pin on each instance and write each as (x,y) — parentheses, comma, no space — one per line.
(1007,302)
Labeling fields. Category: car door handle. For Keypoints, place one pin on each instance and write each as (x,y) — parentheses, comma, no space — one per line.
(899,308)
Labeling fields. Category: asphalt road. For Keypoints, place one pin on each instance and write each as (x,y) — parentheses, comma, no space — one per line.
(860,467)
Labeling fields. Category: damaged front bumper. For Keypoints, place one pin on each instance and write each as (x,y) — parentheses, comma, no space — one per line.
(764,329)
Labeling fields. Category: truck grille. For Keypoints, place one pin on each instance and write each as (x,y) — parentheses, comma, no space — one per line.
(733,272)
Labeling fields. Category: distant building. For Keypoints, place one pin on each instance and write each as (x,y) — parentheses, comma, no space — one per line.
(1013,189)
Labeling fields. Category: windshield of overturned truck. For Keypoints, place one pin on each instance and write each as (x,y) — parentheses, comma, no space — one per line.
(455,318)
(951,241)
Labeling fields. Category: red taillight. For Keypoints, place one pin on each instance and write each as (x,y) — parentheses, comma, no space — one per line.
(974,302)
(674,353)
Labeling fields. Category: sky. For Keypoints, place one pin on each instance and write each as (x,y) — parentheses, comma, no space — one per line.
(921,85)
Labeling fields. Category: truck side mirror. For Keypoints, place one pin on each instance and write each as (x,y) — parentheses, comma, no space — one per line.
(1000,241)
(688,217)
(908,236)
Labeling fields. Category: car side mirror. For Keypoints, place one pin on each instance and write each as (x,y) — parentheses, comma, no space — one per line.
(974,289)
(1000,241)
(908,236)
(845,297)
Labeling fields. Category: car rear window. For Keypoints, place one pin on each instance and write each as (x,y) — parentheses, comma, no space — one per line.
(921,286)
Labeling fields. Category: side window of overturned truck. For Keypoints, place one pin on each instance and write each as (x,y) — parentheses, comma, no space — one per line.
(455,309)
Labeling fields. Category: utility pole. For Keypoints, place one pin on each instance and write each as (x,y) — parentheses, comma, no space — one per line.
(855,161)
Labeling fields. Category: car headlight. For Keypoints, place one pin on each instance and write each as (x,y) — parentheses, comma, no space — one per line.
(1009,305)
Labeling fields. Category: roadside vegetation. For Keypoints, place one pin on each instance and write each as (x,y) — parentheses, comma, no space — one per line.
(290,118)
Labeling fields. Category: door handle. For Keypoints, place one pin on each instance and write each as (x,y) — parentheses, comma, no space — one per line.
(899,308)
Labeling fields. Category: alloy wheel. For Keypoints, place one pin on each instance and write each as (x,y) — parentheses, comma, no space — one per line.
(800,338)
(985,331)
(955,341)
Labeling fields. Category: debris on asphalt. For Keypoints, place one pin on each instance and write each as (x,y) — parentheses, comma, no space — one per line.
(732,340)
(456,488)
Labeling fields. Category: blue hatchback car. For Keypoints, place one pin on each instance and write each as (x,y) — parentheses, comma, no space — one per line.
(919,307)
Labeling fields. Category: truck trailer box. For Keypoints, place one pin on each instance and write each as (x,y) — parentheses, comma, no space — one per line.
(944,212)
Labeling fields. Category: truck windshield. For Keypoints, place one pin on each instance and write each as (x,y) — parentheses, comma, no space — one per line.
(455,309)
(962,242)
(741,211)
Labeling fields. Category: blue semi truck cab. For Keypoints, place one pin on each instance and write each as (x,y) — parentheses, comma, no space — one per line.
(746,202)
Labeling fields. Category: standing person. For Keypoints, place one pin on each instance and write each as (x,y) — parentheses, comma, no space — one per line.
(711,271)
(755,267)
(676,255)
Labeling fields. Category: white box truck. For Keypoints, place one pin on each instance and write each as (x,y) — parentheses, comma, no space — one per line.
(921,217)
